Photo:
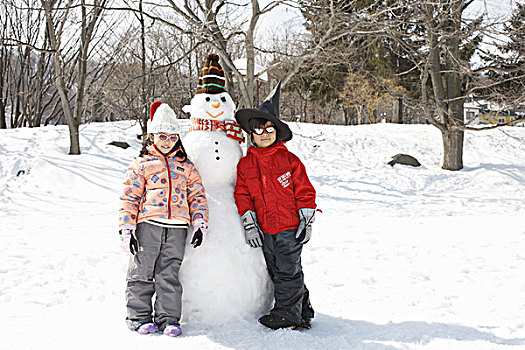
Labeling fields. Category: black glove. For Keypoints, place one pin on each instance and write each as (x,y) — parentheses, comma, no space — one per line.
(129,241)
(197,238)
(200,228)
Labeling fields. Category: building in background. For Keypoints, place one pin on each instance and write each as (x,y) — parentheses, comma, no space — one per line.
(480,112)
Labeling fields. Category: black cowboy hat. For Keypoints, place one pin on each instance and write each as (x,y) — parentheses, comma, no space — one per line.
(268,110)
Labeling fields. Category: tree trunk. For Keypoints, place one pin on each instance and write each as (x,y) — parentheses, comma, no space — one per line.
(453,149)
(66,108)
(38,100)
(4,59)
(58,64)
(360,116)
(144,98)
(3,123)
(397,110)
(74,139)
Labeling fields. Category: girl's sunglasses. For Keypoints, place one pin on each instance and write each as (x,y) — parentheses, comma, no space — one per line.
(164,137)
(268,129)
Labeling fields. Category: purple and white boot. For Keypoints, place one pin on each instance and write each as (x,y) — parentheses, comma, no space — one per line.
(147,328)
(172,330)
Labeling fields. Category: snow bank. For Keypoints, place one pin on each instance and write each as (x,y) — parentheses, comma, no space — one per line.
(400,258)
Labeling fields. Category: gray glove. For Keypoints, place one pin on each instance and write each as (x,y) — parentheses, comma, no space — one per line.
(252,231)
(304,231)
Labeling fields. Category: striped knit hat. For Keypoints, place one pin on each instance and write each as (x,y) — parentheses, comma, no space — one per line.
(211,80)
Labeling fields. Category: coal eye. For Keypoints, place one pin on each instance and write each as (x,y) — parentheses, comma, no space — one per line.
(223,99)
(207,99)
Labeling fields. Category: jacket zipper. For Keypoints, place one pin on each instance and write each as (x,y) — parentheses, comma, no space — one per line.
(264,192)
(169,181)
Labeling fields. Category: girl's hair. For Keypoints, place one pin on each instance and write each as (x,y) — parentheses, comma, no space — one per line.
(180,153)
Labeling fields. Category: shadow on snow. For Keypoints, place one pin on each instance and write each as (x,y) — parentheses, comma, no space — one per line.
(329,332)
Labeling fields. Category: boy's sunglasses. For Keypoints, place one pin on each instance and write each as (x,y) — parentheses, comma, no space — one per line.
(268,129)
(164,137)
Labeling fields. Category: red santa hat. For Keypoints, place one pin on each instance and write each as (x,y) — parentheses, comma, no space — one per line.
(162,119)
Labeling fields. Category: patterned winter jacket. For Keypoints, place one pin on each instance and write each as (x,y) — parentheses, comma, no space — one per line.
(162,186)
(273,183)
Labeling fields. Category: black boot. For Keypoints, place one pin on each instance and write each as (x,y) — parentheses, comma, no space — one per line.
(307,312)
(304,324)
(275,322)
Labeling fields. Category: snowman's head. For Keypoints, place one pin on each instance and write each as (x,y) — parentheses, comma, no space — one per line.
(218,107)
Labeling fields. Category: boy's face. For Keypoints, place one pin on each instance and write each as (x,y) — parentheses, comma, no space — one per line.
(267,135)
(164,141)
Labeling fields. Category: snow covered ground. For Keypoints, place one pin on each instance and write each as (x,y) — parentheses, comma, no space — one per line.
(401,257)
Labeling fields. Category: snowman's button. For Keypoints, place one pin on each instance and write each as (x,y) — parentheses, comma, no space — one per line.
(216,151)
(216,142)
(218,158)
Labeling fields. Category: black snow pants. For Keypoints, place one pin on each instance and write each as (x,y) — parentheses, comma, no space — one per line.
(282,253)
(155,270)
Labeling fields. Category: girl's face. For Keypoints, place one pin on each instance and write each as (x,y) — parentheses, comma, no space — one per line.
(164,141)
(264,136)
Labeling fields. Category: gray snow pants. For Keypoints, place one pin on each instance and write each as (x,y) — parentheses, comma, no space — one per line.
(155,270)
(282,253)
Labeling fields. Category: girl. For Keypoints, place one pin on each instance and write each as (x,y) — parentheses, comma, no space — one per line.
(162,195)
(277,204)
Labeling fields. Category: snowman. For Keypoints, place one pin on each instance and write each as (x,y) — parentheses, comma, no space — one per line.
(225,278)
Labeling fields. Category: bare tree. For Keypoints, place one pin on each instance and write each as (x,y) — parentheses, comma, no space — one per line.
(5,58)
(451,38)
(26,76)
(57,14)
(218,24)
(437,38)
(444,65)
(146,62)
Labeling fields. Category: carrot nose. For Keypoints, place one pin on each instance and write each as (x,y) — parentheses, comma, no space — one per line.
(215,104)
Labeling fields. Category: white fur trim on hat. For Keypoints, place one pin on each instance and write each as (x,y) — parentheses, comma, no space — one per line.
(163,120)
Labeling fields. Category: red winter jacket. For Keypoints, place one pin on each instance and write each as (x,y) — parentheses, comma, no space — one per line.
(273,183)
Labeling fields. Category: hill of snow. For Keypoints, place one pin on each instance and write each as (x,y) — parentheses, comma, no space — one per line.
(400,258)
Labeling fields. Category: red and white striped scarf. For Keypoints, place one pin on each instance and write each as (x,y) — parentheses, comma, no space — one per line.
(233,130)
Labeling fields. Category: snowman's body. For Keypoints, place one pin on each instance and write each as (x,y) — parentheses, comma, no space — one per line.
(225,278)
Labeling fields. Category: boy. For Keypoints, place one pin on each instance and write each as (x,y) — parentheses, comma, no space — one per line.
(277,203)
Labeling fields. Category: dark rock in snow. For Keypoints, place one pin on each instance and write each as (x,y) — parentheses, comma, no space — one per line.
(404,159)
(119,144)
